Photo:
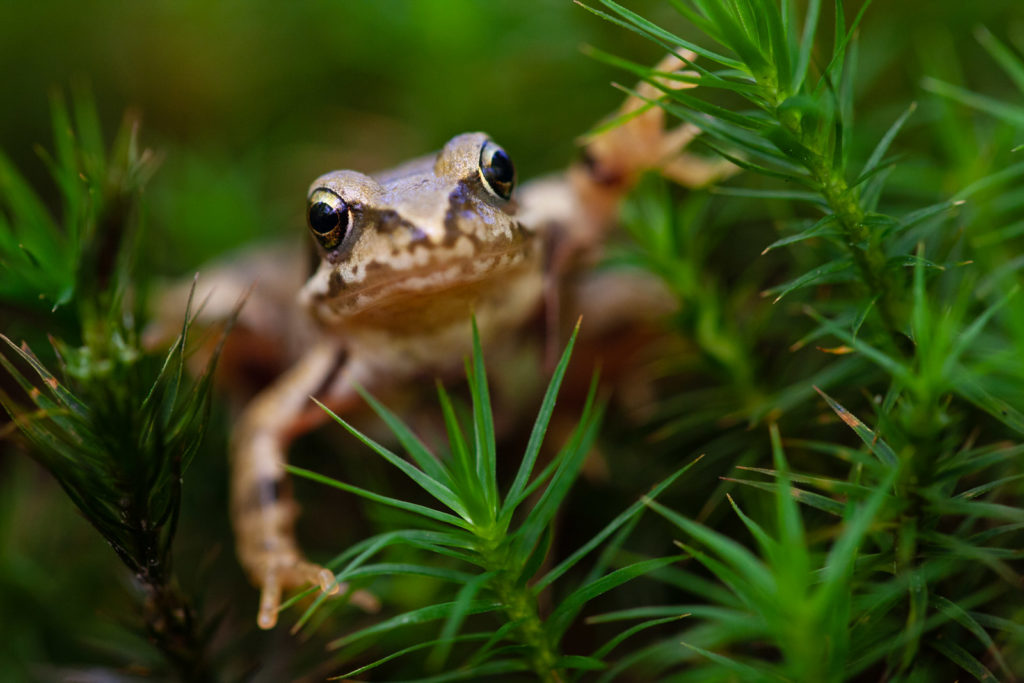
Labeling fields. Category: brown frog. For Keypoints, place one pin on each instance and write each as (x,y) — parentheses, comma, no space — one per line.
(407,256)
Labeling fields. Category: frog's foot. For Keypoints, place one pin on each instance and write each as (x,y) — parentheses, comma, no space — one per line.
(291,571)
(617,157)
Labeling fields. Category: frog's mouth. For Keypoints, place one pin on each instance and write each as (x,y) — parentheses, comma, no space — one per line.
(453,284)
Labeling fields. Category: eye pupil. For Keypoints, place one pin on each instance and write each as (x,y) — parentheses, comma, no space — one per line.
(323,218)
(497,170)
(328,218)
(501,168)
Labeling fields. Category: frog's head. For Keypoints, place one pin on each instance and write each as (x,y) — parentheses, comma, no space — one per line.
(437,224)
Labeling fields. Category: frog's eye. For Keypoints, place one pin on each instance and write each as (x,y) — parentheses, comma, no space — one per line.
(328,218)
(497,170)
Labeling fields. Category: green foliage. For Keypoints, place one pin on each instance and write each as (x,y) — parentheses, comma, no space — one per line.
(920,565)
(881,185)
(503,541)
(116,426)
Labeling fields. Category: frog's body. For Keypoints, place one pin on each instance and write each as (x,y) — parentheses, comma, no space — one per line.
(407,256)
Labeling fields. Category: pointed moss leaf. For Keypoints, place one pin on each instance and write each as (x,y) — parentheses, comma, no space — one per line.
(999,178)
(977,508)
(542,477)
(966,339)
(978,459)
(483,420)
(880,448)
(993,405)
(704,78)
(635,22)
(580,663)
(746,672)
(434,541)
(536,559)
(697,19)
(736,38)
(962,658)
(806,45)
(435,488)
(469,637)
(829,484)
(787,174)
(570,459)
(377,498)
(874,180)
(842,39)
(769,547)
(54,397)
(38,230)
(611,551)
(487,650)
(408,569)
(741,148)
(982,489)
(891,365)
(720,114)
(1009,626)
(1007,112)
(670,611)
(567,610)
(973,550)
(410,442)
(830,272)
(356,555)
(862,315)
(843,554)
(417,616)
(609,529)
(910,260)
(809,498)
(778,42)
(1011,64)
(456,617)
(734,555)
(540,426)
(790,524)
(883,145)
(605,649)
(65,163)
(697,584)
(783,195)
(463,469)
(959,615)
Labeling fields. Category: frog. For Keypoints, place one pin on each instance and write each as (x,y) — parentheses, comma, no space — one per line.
(408,260)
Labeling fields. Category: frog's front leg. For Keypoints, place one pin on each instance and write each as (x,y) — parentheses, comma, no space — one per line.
(615,159)
(262,510)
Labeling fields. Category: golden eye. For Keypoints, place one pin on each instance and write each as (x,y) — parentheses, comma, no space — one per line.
(328,218)
(497,170)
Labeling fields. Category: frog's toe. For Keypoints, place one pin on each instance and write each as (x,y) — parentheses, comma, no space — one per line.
(365,600)
(690,170)
(270,599)
(298,574)
(314,573)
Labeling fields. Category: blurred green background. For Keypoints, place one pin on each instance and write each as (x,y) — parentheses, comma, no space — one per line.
(246,102)
(249,101)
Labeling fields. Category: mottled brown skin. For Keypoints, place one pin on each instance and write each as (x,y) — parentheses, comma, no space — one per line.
(427,244)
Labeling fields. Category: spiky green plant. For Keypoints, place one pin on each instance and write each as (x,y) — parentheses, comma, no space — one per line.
(501,540)
(936,338)
(116,425)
